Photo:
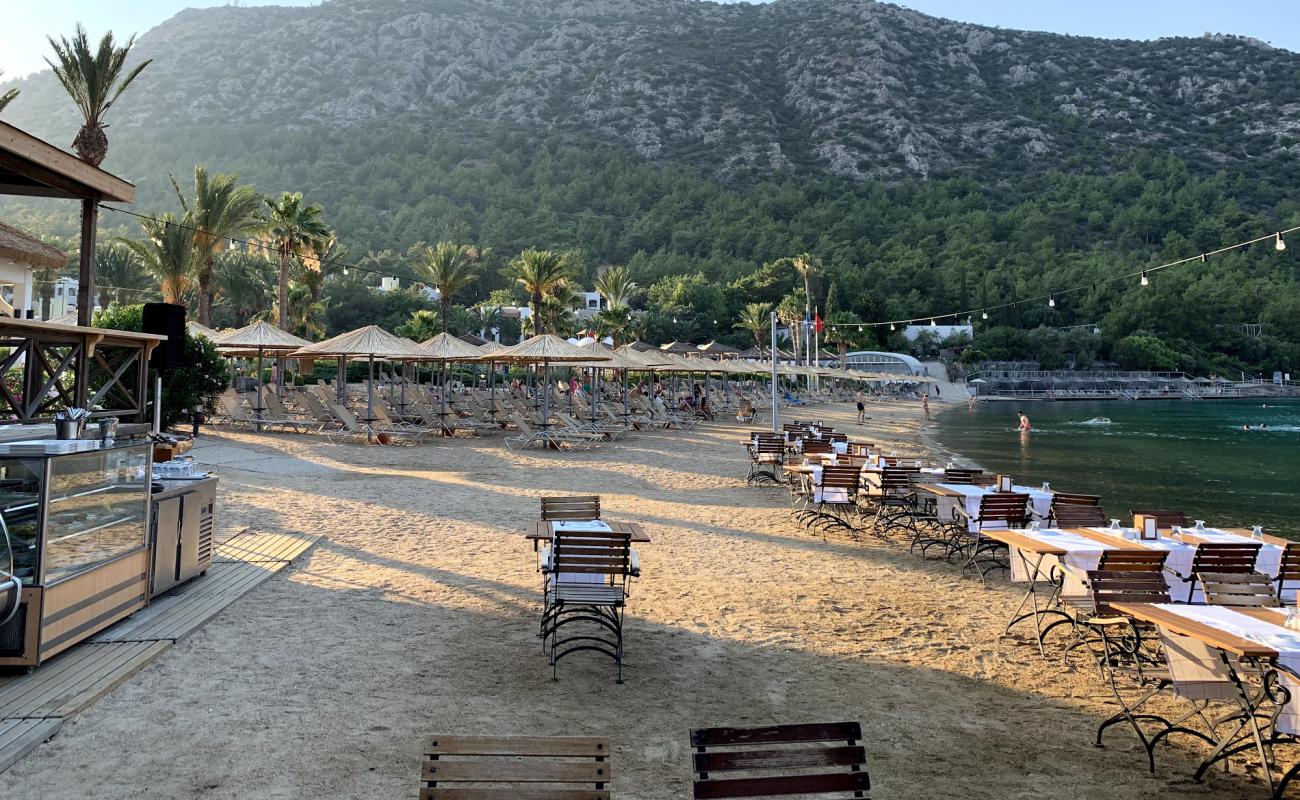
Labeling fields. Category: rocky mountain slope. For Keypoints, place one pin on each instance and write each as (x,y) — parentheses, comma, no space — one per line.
(851,88)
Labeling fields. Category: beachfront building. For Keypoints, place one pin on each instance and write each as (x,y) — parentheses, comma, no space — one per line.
(879,361)
(21,256)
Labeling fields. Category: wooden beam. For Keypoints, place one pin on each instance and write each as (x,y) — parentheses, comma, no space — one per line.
(86,264)
(38,156)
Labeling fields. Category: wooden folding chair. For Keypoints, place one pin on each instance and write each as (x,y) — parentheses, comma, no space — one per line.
(590,571)
(961,476)
(1247,590)
(1067,515)
(1220,558)
(1165,517)
(997,510)
(571,507)
(767,455)
(1288,570)
(515,768)
(811,760)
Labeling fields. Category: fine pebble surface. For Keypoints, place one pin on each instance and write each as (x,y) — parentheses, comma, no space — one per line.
(416,613)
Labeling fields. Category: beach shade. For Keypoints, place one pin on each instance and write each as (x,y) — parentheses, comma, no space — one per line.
(616,361)
(641,347)
(488,349)
(679,347)
(469,338)
(646,359)
(258,339)
(545,349)
(445,348)
(717,349)
(370,342)
(199,329)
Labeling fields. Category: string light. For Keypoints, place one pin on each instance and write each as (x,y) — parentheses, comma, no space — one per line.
(892,327)
(984,314)
(859,329)
(932,323)
(1280,244)
(1145,280)
(1051,302)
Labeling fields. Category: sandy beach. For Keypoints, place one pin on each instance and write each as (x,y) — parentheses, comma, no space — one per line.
(416,613)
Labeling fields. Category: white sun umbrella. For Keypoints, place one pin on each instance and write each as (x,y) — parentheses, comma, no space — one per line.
(258,339)
(545,349)
(445,348)
(370,342)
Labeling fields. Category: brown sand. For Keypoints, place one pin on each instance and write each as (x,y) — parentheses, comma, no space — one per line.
(416,613)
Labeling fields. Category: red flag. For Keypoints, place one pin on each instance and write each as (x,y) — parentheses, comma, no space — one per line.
(818,321)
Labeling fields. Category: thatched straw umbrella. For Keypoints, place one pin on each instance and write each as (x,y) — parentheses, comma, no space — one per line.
(258,339)
(372,342)
(489,348)
(199,329)
(545,349)
(445,348)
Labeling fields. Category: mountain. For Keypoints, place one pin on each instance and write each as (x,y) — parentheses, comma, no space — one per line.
(847,88)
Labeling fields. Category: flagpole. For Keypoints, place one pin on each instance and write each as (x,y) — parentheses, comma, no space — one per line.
(817,342)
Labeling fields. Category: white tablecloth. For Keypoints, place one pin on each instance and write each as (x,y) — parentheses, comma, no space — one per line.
(1181,555)
(1082,554)
(1275,636)
(1040,501)
(577,526)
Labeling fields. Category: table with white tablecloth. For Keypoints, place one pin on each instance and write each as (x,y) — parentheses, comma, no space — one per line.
(969,496)
(1182,553)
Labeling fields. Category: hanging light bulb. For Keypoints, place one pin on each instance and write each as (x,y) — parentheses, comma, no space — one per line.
(345,270)
(859,329)
(1051,301)
(933,324)
(893,327)
(1145,280)
(984,315)
(1279,244)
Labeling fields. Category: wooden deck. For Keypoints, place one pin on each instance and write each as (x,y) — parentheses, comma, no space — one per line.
(34,705)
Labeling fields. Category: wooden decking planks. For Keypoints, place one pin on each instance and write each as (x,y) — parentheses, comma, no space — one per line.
(263,547)
(18,737)
(32,706)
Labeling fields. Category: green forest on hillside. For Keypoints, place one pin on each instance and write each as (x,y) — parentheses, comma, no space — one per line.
(889,251)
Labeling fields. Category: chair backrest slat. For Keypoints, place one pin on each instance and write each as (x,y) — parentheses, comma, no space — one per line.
(1226,557)
(1165,517)
(764,762)
(508,768)
(1109,587)
(1238,589)
(571,507)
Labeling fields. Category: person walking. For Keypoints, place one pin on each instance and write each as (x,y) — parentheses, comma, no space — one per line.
(862,407)
(925,404)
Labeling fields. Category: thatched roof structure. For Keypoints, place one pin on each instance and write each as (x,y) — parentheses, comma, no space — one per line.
(24,248)
(371,340)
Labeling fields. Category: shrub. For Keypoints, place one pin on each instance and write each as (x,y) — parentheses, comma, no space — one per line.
(204,376)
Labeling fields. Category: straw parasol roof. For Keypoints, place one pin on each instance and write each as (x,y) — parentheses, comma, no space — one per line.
(199,329)
(24,248)
(644,359)
(470,338)
(543,348)
(717,349)
(679,347)
(259,336)
(445,347)
(616,360)
(371,340)
(488,348)
(641,347)
(69,318)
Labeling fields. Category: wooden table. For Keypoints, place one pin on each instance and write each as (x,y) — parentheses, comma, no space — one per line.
(539,530)
(1206,634)
(1032,552)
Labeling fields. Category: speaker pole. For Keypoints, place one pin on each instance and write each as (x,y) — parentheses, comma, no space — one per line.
(157,403)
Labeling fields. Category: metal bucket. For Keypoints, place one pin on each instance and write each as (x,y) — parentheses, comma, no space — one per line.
(68,428)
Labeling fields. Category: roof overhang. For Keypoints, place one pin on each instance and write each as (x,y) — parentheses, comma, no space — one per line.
(34,167)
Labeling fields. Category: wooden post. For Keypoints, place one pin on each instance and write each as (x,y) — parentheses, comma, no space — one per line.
(86,273)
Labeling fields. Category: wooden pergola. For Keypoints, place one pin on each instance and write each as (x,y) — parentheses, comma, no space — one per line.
(35,168)
(66,365)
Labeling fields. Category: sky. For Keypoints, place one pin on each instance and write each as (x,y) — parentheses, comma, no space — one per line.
(28,22)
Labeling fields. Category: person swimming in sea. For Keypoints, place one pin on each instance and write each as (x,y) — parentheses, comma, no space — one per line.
(1024,425)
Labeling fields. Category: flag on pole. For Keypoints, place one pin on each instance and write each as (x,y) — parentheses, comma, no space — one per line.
(820,323)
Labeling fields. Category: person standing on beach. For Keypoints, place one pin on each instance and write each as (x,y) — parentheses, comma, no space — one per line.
(862,407)
(970,402)
(925,404)
(1024,426)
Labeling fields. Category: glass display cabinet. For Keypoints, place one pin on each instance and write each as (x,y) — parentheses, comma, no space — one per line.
(74,527)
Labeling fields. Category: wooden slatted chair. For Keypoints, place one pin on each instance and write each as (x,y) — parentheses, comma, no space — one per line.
(817,447)
(1132,561)
(589,571)
(515,768)
(767,456)
(813,760)
(1165,517)
(896,503)
(997,510)
(1068,515)
(1247,590)
(1224,558)
(835,501)
(571,507)
(1288,571)
(961,476)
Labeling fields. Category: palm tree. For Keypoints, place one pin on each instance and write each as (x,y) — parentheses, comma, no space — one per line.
(422,324)
(6,97)
(613,322)
(243,281)
(221,210)
(617,287)
(540,272)
(807,265)
(167,251)
(118,271)
(791,312)
(450,268)
(95,81)
(556,316)
(293,230)
(754,318)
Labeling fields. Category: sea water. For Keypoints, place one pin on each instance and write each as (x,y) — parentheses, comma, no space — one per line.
(1194,455)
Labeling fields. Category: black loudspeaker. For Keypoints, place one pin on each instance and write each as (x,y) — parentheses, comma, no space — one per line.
(167,320)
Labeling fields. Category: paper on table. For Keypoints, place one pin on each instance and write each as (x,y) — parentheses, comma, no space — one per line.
(579,525)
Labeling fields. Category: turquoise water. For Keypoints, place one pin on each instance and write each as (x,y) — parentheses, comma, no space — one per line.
(1188,454)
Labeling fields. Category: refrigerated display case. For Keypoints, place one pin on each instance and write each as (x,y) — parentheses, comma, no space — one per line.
(75,526)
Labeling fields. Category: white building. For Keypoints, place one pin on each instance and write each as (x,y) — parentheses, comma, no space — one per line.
(65,298)
(22,254)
